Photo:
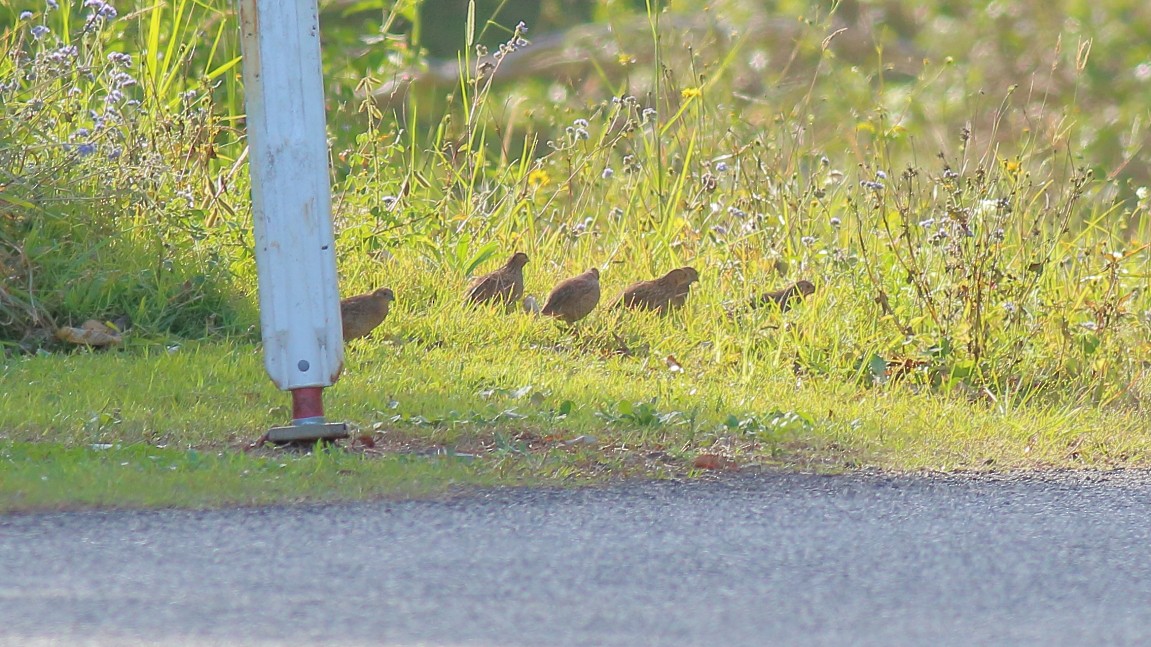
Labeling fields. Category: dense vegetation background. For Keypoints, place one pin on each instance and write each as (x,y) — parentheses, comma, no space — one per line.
(966,183)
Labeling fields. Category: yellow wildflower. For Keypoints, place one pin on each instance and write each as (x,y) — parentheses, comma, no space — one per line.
(691,93)
(538,178)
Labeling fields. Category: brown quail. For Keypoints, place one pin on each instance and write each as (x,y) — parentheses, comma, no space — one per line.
(574,298)
(662,295)
(786,297)
(362,313)
(505,285)
(680,297)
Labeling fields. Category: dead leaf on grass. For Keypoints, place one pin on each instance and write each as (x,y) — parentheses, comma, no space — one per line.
(91,333)
(714,462)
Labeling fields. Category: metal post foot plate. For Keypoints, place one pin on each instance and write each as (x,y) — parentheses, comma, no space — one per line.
(308,433)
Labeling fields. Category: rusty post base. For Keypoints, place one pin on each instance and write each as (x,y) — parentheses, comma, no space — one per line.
(308,425)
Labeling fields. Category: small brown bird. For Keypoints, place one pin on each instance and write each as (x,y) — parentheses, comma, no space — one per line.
(505,285)
(664,294)
(574,298)
(362,313)
(786,297)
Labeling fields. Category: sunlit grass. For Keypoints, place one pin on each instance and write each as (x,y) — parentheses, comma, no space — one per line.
(974,221)
(43,476)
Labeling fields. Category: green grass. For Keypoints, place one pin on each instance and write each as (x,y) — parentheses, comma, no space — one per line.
(39,476)
(174,426)
(966,186)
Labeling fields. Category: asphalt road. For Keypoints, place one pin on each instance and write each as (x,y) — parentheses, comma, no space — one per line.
(752,560)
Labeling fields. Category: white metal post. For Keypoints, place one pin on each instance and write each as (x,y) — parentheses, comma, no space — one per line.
(291,205)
